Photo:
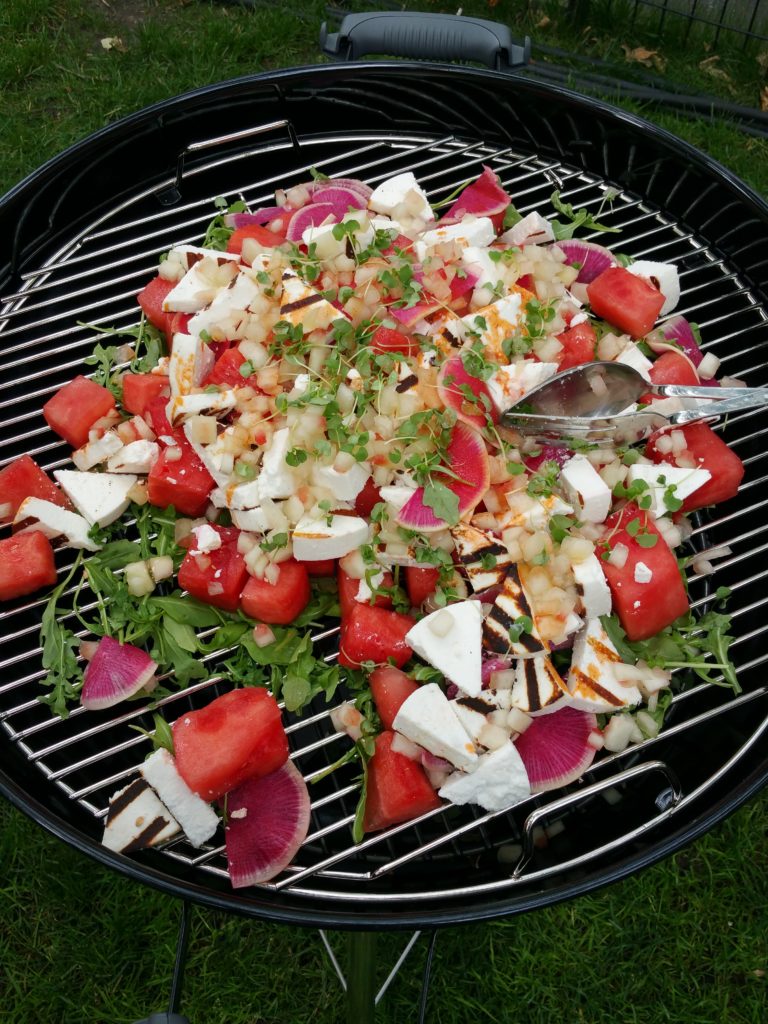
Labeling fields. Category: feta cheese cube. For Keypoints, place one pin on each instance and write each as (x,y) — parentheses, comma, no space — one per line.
(663,478)
(538,688)
(509,384)
(492,324)
(196,289)
(591,680)
(136,819)
(473,713)
(632,356)
(396,495)
(485,559)
(401,188)
(642,573)
(472,231)
(498,781)
(510,605)
(427,718)
(251,520)
(662,276)
(232,303)
(205,402)
(533,229)
(54,521)
(197,818)
(101,498)
(206,539)
(457,652)
(592,587)
(347,485)
(365,589)
(586,489)
(135,457)
(302,304)
(315,538)
(191,362)
(96,452)
(536,515)
(276,479)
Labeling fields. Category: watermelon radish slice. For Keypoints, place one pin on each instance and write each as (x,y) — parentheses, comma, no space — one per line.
(307,217)
(261,216)
(678,330)
(341,199)
(594,259)
(468,459)
(484,198)
(267,821)
(452,382)
(555,748)
(114,673)
(409,316)
(352,184)
(549,453)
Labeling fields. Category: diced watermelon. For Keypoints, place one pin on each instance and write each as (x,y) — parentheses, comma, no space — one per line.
(266,238)
(322,567)
(397,788)
(237,736)
(75,408)
(390,688)
(157,417)
(151,298)
(348,588)
(625,300)
(139,389)
(184,483)
(484,198)
(708,451)
(367,498)
(673,368)
(226,369)
(385,339)
(26,564)
(22,479)
(374,634)
(578,346)
(278,603)
(420,583)
(644,609)
(215,577)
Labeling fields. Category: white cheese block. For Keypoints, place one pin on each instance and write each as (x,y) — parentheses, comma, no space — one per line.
(533,229)
(365,589)
(276,478)
(477,260)
(135,457)
(536,514)
(427,718)
(591,681)
(196,289)
(471,231)
(538,688)
(499,781)
(660,478)
(396,495)
(206,539)
(450,639)
(211,402)
(252,520)
(197,818)
(592,587)
(327,246)
(509,384)
(237,496)
(345,486)
(136,819)
(188,255)
(642,573)
(511,604)
(54,521)
(492,325)
(101,498)
(231,302)
(586,489)
(473,713)
(191,362)
(662,276)
(302,304)
(477,549)
(315,538)
(402,188)
(96,452)
(632,356)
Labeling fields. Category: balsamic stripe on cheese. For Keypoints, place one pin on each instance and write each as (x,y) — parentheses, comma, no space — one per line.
(309,300)
(126,798)
(145,837)
(494,548)
(407,383)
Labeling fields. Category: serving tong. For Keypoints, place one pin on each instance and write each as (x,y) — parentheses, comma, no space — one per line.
(596,403)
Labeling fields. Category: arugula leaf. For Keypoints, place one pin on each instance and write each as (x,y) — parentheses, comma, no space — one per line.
(161,737)
(578,218)
(104,360)
(60,646)
(218,234)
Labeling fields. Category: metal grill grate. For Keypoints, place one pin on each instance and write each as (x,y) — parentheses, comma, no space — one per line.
(453,852)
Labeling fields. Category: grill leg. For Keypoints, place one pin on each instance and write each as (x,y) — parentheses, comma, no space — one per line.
(172,1016)
(361,977)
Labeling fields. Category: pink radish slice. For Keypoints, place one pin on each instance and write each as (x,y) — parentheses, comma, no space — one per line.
(484,197)
(555,748)
(549,453)
(307,217)
(353,184)
(491,665)
(452,383)
(410,316)
(267,821)
(461,285)
(434,763)
(678,329)
(594,259)
(262,216)
(468,459)
(115,672)
(341,199)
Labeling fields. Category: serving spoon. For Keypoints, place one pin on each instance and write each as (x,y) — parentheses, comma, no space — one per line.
(596,402)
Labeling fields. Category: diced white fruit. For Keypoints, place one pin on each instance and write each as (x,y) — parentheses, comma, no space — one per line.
(492,325)
(472,231)
(347,485)
(538,688)
(237,496)
(660,478)
(302,304)
(510,605)
(586,489)
(485,559)
(427,718)
(205,402)
(536,515)
(663,276)
(499,781)
(591,681)
(96,452)
(251,520)
(315,538)
(197,818)
(509,384)
(402,188)
(473,713)
(191,362)
(136,819)
(233,301)
(457,653)
(276,479)
(632,356)
(592,587)
(135,457)
(100,497)
(54,521)
(533,229)
(327,246)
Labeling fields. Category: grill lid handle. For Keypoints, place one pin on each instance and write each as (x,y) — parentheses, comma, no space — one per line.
(425,37)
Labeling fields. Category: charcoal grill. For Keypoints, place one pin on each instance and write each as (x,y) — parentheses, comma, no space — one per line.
(80,237)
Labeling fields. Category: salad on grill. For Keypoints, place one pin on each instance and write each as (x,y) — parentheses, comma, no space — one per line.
(305,429)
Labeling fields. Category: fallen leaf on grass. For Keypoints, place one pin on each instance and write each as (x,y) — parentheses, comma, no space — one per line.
(545,22)
(648,58)
(764,98)
(762,59)
(709,67)
(114,43)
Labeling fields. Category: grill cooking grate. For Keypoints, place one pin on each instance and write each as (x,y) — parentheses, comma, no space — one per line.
(454,852)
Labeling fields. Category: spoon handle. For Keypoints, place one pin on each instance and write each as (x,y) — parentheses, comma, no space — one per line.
(717,395)
(750,398)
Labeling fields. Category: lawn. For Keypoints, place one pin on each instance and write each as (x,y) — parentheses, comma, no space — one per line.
(684,942)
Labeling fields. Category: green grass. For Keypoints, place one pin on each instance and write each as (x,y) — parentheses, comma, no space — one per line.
(685,942)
